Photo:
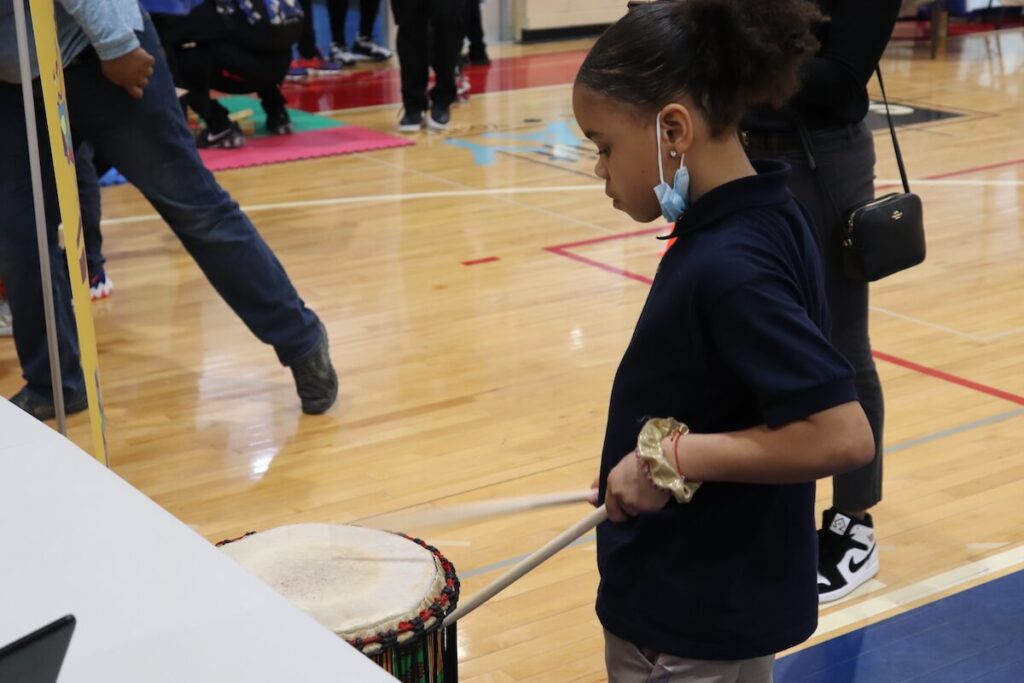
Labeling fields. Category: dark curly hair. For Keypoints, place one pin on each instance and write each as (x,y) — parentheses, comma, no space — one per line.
(726,55)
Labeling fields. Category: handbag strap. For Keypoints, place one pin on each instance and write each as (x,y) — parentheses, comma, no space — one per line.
(808,145)
(892,131)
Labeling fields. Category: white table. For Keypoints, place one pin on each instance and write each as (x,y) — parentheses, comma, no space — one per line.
(155,602)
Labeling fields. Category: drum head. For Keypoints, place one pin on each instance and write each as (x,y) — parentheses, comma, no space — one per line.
(355,581)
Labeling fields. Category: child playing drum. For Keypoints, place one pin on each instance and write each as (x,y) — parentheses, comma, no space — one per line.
(732,341)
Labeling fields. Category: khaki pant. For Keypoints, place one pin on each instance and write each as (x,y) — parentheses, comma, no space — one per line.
(627,663)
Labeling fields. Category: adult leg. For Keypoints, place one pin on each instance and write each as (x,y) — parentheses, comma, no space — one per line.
(446,19)
(307,43)
(19,254)
(148,141)
(368,11)
(337,13)
(851,174)
(413,42)
(474,28)
(847,552)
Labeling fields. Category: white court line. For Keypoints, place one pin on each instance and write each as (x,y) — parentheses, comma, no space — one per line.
(869,587)
(498,191)
(956,183)
(950,330)
(381,198)
(901,597)
(398,105)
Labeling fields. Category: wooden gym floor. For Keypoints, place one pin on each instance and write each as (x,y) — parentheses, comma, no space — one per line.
(465,381)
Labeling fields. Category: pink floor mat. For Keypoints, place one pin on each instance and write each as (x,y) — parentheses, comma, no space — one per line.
(298,146)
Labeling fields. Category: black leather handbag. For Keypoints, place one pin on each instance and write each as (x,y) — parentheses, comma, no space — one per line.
(885,235)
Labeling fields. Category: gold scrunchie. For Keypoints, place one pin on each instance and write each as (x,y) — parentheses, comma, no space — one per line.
(648,449)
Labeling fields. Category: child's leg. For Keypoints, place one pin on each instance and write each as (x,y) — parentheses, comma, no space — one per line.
(368,10)
(337,13)
(627,663)
(91,209)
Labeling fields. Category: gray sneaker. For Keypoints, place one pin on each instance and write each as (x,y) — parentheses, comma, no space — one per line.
(315,379)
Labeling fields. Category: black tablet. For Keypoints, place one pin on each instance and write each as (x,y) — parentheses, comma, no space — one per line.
(37,657)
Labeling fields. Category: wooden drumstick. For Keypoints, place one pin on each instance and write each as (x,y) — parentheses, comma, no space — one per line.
(526,565)
(420,518)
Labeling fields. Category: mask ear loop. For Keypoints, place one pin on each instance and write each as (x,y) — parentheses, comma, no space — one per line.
(657,129)
(657,133)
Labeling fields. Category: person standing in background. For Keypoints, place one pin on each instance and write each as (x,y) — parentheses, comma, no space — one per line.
(310,61)
(363,46)
(824,121)
(123,103)
(474,25)
(429,36)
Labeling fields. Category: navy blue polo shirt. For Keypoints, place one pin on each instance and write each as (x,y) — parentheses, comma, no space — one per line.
(734,334)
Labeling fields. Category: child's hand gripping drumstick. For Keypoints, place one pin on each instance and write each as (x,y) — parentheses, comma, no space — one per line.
(523,567)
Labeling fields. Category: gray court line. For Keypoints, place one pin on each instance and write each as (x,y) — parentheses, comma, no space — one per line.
(902,446)
(928,438)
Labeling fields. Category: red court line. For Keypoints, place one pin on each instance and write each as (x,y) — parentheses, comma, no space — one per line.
(975,169)
(610,238)
(562,250)
(476,262)
(962,171)
(368,87)
(946,377)
(599,264)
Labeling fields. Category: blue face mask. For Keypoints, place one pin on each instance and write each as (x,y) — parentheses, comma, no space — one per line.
(673,200)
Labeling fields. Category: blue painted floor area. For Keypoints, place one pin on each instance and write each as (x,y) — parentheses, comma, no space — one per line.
(976,635)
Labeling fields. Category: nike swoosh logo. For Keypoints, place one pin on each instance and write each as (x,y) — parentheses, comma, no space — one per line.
(856,566)
(218,136)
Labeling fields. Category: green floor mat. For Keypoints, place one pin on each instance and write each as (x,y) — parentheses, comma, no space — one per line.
(302,120)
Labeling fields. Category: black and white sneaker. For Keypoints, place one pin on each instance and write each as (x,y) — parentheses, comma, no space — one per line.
(342,56)
(228,138)
(847,554)
(278,122)
(412,121)
(364,45)
(440,118)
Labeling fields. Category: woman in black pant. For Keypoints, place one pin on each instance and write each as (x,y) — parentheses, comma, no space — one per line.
(824,121)
(429,36)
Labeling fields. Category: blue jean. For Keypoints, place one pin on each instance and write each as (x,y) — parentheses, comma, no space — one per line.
(89,204)
(149,142)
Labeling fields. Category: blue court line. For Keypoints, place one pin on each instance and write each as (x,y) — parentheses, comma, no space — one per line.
(895,448)
(974,635)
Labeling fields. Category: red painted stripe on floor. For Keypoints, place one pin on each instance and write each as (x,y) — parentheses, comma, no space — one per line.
(369,87)
(476,262)
(609,238)
(562,250)
(975,169)
(962,171)
(946,377)
(599,264)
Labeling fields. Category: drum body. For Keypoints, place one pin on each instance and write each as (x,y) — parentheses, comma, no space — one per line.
(385,594)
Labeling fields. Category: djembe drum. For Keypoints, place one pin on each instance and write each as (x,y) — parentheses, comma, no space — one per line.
(386,594)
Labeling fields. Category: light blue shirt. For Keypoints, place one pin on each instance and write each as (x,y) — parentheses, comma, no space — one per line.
(108,25)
